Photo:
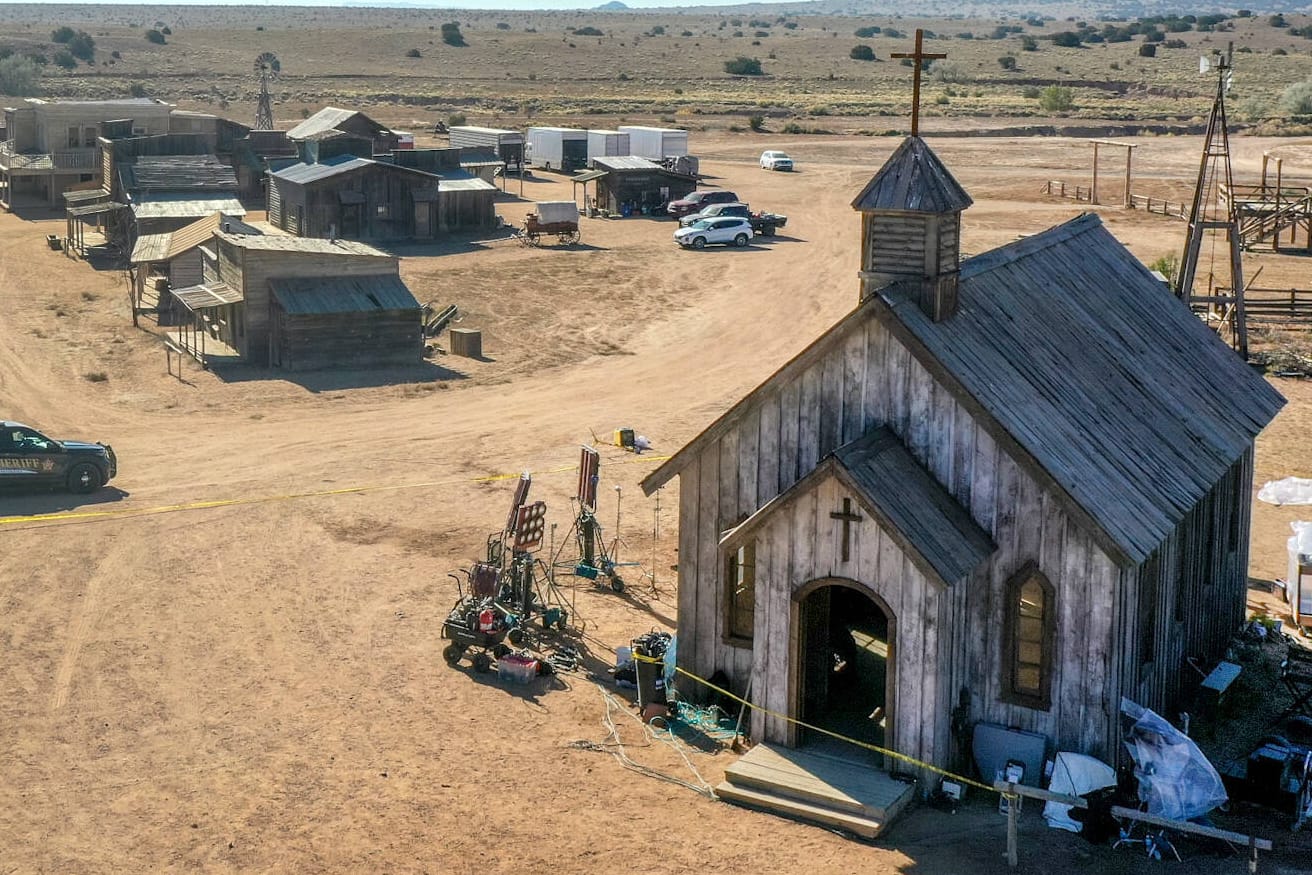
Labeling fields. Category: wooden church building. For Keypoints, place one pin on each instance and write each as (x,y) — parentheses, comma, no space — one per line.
(1009,489)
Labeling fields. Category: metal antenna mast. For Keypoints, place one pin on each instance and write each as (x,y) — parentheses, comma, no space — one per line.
(1214,211)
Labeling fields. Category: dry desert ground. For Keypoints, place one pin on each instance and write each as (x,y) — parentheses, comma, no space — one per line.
(258,686)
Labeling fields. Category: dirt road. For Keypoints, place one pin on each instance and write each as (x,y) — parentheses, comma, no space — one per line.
(258,686)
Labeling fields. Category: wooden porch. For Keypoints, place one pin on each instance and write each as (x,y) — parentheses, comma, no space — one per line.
(835,791)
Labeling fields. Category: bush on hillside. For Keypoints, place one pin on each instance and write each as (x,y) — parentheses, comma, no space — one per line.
(744,66)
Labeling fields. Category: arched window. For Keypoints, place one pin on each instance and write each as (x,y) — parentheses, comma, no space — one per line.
(1028,641)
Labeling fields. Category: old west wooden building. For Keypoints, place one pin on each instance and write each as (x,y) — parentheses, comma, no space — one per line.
(349,122)
(642,186)
(354,199)
(1011,489)
(304,304)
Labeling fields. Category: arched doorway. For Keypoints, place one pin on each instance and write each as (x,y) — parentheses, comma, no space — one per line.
(845,665)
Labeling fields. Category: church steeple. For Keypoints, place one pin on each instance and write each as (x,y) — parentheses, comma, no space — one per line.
(911,217)
(911,227)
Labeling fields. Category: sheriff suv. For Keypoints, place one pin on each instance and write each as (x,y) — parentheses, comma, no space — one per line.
(29,457)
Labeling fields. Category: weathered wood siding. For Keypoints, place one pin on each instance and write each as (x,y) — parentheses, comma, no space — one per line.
(1189,598)
(463,211)
(185,269)
(361,340)
(387,210)
(865,380)
(275,204)
(800,545)
(251,269)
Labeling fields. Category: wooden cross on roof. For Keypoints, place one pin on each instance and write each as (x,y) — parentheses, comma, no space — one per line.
(919,56)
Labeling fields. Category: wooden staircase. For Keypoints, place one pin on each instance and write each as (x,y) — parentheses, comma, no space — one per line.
(833,791)
(1261,226)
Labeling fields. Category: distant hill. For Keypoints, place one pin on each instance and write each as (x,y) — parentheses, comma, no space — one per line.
(612,6)
(957,9)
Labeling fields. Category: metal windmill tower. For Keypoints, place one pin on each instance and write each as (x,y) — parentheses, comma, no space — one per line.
(1214,211)
(267,68)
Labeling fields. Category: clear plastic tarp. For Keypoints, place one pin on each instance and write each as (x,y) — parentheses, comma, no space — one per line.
(1291,490)
(1175,779)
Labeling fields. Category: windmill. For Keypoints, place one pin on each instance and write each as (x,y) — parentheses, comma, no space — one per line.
(266,67)
(1214,211)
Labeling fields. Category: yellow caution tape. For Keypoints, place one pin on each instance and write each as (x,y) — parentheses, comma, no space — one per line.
(232,502)
(901,757)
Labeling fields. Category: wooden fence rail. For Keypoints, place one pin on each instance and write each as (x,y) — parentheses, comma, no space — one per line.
(1058,188)
(1161,206)
(1253,843)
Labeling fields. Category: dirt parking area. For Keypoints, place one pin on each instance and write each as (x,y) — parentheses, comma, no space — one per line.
(258,685)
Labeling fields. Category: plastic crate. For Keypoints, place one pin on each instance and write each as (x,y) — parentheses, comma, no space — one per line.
(517,669)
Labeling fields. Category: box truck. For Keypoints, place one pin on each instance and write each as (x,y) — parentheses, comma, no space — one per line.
(656,144)
(506,145)
(564,149)
(607,144)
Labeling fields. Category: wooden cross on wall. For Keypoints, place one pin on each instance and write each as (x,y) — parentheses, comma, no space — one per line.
(848,517)
(918,56)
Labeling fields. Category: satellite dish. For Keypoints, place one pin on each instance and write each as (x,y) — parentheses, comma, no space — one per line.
(1204,64)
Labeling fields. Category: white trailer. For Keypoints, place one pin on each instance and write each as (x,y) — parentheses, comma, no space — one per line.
(607,144)
(506,145)
(564,149)
(656,144)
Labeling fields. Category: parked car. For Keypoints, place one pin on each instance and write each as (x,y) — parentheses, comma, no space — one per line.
(762,223)
(699,199)
(733,230)
(732,208)
(29,457)
(773,159)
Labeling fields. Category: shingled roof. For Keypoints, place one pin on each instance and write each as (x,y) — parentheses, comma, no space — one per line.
(913,179)
(1066,347)
(155,173)
(1110,383)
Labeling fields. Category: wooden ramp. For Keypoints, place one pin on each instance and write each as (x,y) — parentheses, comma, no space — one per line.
(846,794)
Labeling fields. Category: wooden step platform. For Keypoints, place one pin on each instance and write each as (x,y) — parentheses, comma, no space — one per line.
(843,793)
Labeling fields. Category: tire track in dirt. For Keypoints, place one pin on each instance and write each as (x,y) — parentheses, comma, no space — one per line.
(90,613)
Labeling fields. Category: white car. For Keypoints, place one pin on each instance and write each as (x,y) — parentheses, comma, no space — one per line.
(776,160)
(733,230)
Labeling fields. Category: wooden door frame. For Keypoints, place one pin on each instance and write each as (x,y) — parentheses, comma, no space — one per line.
(796,657)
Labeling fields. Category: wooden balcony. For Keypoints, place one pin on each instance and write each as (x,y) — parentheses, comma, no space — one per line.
(62,161)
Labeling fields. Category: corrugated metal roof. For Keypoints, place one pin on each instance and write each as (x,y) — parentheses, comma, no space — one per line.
(151,248)
(326,119)
(275,243)
(1133,405)
(913,179)
(347,294)
(475,129)
(206,295)
(95,209)
(625,162)
(914,507)
(588,175)
(182,205)
(460,180)
(86,196)
(305,173)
